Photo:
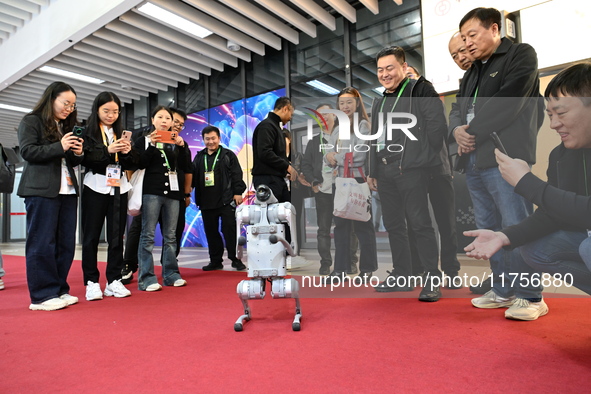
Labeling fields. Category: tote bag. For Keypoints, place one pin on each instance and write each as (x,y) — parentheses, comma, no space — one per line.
(352,200)
(134,196)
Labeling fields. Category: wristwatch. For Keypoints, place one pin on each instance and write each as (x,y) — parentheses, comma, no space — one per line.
(187,195)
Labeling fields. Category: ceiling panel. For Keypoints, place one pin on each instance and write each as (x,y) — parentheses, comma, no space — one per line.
(136,55)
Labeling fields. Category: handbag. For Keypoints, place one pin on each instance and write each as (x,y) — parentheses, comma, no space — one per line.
(7,174)
(134,196)
(352,200)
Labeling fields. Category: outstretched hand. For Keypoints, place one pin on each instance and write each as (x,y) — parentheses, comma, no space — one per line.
(486,244)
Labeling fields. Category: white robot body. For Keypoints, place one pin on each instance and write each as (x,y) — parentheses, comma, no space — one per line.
(267,250)
(268,261)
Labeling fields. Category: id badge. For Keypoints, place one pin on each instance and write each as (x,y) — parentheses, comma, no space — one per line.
(113,175)
(470,115)
(67,175)
(209,179)
(173,179)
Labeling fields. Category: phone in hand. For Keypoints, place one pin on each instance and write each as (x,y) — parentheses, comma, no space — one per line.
(497,141)
(126,135)
(167,137)
(78,131)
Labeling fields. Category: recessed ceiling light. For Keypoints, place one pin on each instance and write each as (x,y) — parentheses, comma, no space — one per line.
(69,74)
(323,87)
(174,20)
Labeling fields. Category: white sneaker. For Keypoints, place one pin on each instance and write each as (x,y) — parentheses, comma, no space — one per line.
(523,309)
(295,262)
(49,305)
(1,284)
(70,300)
(180,283)
(117,290)
(93,291)
(491,300)
(154,287)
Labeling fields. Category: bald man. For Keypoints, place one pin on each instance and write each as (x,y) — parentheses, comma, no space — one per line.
(458,52)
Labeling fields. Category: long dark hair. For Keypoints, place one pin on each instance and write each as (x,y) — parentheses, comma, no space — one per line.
(93,127)
(44,109)
(360,106)
(158,109)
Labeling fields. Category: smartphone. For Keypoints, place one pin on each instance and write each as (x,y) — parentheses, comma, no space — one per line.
(167,137)
(498,143)
(78,131)
(126,135)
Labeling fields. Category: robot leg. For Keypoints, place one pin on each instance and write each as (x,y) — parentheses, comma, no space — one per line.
(288,288)
(248,290)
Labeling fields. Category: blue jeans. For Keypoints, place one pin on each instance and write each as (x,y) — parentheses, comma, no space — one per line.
(562,252)
(497,206)
(50,245)
(152,207)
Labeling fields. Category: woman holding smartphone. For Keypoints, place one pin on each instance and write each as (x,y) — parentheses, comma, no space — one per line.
(106,158)
(161,195)
(349,101)
(50,189)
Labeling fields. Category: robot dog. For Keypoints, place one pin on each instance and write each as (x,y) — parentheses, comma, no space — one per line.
(267,248)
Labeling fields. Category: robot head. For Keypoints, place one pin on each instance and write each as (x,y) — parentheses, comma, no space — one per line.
(264,195)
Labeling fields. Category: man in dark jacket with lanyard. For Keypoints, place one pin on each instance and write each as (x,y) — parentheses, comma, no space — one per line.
(499,93)
(442,199)
(218,183)
(556,239)
(399,170)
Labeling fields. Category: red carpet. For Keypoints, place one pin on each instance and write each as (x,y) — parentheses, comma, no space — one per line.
(182,340)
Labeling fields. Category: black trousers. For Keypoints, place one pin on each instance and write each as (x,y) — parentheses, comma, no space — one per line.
(132,240)
(324,217)
(404,197)
(211,225)
(95,208)
(443,201)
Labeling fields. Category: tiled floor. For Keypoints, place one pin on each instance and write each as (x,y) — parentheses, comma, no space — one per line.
(198,257)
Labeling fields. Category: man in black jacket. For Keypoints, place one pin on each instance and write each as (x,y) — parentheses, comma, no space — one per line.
(399,166)
(556,239)
(217,178)
(270,164)
(499,93)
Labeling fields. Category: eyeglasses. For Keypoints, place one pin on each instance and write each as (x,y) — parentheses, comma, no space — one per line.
(114,113)
(68,107)
(179,124)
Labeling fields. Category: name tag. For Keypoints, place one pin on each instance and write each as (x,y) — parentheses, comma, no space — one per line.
(470,115)
(174,181)
(209,179)
(113,175)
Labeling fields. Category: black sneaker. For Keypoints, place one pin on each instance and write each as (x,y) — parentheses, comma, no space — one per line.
(451,283)
(430,293)
(391,284)
(365,277)
(482,288)
(213,267)
(239,265)
(324,270)
(126,275)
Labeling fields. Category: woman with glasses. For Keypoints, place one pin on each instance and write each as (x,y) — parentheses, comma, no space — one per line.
(50,189)
(106,157)
(161,195)
(349,101)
